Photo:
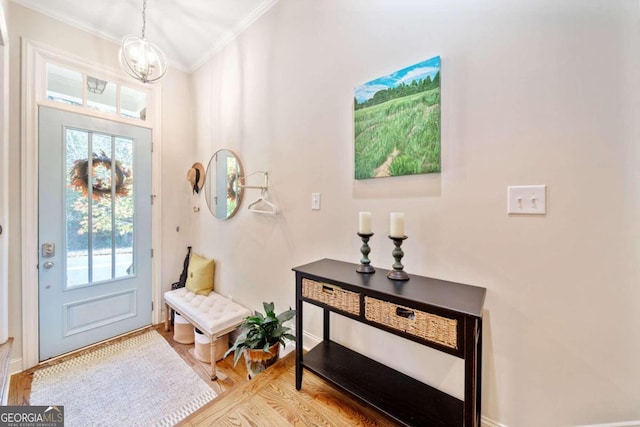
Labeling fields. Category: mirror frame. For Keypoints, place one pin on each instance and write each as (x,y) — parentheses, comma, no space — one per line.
(211,175)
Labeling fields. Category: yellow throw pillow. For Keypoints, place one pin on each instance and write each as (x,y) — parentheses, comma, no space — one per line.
(200,275)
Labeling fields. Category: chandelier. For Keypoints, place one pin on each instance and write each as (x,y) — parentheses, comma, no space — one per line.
(140,59)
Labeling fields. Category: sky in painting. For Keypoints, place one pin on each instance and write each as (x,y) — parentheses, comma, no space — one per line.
(417,71)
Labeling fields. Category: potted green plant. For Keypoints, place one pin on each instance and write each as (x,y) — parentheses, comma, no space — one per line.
(260,338)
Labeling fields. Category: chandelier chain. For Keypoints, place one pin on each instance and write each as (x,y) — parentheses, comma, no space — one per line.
(144,17)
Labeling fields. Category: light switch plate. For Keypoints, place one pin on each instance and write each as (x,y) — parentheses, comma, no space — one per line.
(527,199)
(315,201)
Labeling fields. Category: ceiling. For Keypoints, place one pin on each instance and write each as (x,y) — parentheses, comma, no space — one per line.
(189,32)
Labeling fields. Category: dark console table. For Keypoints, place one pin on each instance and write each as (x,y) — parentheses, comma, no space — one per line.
(444,315)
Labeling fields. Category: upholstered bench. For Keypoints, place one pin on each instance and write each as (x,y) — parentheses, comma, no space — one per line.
(214,314)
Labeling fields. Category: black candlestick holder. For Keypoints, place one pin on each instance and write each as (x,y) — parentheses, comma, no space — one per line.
(365,266)
(398,273)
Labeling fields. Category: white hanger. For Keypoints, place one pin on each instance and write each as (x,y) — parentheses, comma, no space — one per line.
(263,205)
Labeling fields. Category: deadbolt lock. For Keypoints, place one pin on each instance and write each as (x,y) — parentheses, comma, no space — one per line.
(48,250)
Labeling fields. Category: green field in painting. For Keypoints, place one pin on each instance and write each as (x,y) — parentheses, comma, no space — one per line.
(404,133)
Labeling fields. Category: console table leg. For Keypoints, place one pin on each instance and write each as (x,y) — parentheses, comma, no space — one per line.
(325,326)
(471,374)
(298,335)
(479,371)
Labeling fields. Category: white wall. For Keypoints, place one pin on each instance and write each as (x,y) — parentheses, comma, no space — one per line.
(533,92)
(177,133)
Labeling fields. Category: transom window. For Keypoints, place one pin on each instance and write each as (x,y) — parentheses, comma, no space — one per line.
(72,87)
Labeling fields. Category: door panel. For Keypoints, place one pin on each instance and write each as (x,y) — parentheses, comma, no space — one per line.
(94,230)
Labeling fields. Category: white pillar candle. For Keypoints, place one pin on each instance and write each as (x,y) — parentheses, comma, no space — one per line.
(364,226)
(397,224)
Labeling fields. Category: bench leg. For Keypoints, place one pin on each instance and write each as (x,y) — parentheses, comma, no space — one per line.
(167,318)
(212,353)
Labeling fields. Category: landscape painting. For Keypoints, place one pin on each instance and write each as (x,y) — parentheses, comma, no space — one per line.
(397,123)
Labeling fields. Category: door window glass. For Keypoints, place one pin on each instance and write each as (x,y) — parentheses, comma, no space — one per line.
(102,207)
(124,208)
(101,95)
(99,206)
(133,103)
(64,85)
(76,149)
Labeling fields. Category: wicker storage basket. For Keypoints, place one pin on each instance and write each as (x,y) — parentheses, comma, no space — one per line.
(429,327)
(202,350)
(182,330)
(332,295)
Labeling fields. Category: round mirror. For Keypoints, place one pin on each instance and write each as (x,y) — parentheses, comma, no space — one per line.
(222,188)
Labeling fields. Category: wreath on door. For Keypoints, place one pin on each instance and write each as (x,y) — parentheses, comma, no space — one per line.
(102,176)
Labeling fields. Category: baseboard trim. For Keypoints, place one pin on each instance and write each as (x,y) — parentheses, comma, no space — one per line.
(309,340)
(488,422)
(15,366)
(620,424)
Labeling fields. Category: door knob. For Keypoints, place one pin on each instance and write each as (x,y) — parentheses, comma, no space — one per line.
(48,264)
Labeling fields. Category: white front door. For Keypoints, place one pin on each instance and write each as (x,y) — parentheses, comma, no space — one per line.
(94,230)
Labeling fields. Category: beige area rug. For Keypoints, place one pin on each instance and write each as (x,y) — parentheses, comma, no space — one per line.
(140,381)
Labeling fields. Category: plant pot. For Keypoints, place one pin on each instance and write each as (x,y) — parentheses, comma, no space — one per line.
(259,360)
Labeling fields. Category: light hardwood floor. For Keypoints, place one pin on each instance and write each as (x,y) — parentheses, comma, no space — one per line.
(270,399)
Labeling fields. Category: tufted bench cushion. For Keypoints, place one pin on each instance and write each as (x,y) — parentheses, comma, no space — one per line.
(214,314)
